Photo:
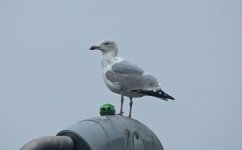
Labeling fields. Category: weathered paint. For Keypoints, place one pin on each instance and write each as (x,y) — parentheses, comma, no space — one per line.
(112,133)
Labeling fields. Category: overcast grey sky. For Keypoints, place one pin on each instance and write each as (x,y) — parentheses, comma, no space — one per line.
(49,79)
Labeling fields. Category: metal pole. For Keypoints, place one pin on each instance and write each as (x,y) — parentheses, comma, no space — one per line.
(50,143)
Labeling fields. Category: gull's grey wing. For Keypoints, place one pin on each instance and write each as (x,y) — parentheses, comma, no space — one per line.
(124,67)
(144,84)
(132,81)
(131,77)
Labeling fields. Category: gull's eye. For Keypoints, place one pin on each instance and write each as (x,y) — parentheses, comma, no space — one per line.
(106,43)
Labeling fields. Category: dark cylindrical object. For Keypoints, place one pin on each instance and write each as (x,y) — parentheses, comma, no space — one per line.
(50,143)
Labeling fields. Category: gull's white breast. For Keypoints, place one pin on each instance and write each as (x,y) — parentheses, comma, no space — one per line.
(114,87)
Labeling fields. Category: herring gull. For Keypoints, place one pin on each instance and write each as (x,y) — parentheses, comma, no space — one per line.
(125,78)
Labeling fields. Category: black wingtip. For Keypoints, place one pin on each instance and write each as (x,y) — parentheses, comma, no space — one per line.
(158,93)
(171,98)
(168,96)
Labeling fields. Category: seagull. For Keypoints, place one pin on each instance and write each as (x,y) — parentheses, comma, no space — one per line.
(125,78)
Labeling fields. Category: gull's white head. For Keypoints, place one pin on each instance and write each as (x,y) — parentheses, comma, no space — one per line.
(107,46)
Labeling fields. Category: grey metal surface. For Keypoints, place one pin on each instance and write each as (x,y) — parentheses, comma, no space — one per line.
(112,133)
(50,143)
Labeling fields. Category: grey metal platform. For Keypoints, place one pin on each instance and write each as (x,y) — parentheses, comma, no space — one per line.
(112,132)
